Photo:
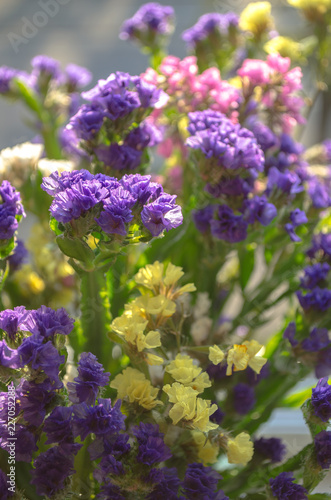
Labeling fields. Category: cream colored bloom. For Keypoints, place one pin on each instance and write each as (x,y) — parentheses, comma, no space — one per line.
(207,451)
(240,449)
(183,370)
(150,276)
(132,385)
(216,355)
(172,274)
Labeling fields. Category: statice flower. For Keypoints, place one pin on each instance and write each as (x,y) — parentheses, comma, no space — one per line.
(243,398)
(272,449)
(11,320)
(7,76)
(321,245)
(9,358)
(288,182)
(151,446)
(150,24)
(47,65)
(297,218)
(91,377)
(319,299)
(258,209)
(166,483)
(110,490)
(43,356)
(19,257)
(4,491)
(101,419)
(119,157)
(203,217)
(58,426)
(86,192)
(87,122)
(317,340)
(322,442)
(48,322)
(321,399)
(34,399)
(264,136)
(283,487)
(201,482)
(77,77)
(52,468)
(146,135)
(11,209)
(210,24)
(231,146)
(314,275)
(319,193)
(228,226)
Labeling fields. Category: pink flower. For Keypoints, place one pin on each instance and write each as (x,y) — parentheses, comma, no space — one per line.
(257,71)
(278,63)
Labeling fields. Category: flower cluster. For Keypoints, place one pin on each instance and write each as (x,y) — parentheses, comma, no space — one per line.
(85,203)
(11,210)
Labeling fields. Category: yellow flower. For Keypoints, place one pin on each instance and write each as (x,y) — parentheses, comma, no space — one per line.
(183,370)
(237,357)
(201,420)
(311,8)
(190,287)
(284,46)
(184,399)
(150,276)
(216,355)
(129,323)
(256,18)
(255,352)
(29,281)
(207,451)
(172,275)
(240,449)
(132,385)
(153,360)
(149,341)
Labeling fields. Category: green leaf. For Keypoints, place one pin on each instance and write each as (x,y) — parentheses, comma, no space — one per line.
(76,249)
(296,400)
(54,225)
(6,247)
(247,261)
(29,97)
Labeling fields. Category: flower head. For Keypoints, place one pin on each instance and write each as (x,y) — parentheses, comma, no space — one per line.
(321,399)
(240,449)
(132,385)
(284,487)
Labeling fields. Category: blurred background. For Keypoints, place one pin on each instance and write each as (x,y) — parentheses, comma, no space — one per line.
(85,32)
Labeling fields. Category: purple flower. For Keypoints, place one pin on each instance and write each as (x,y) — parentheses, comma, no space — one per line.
(58,425)
(110,491)
(322,442)
(52,468)
(6,77)
(45,65)
(34,399)
(10,208)
(41,356)
(101,419)
(289,228)
(9,358)
(321,399)
(87,122)
(151,446)
(77,76)
(91,377)
(321,244)
(317,340)
(259,209)
(272,449)
(149,22)
(162,214)
(264,136)
(26,444)
(209,24)
(288,182)
(228,227)
(203,217)
(144,135)
(201,482)
(243,398)
(204,120)
(289,333)
(119,157)
(314,275)
(4,491)
(323,363)
(167,484)
(232,146)
(108,465)
(11,320)
(48,322)
(19,256)
(298,217)
(218,415)
(283,487)
(319,193)
(109,444)
(318,299)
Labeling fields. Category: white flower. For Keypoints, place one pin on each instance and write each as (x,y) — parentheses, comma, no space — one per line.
(202,305)
(200,329)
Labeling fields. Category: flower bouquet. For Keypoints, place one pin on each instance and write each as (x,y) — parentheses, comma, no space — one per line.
(175,284)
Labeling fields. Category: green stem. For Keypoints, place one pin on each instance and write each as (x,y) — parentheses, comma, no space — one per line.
(52,147)
(95,315)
